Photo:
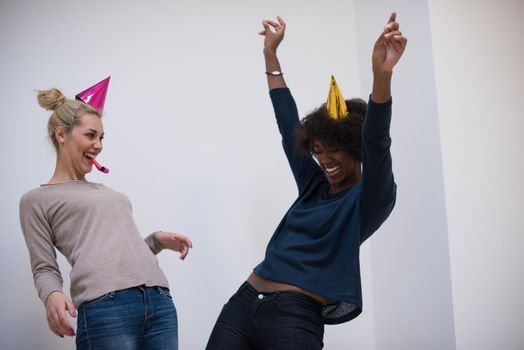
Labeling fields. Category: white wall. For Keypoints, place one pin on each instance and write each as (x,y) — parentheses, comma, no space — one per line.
(190,135)
(478,52)
(192,141)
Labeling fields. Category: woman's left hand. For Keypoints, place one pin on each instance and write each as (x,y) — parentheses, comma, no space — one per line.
(175,241)
(389,47)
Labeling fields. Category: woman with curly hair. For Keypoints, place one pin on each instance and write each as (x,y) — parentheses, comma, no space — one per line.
(310,275)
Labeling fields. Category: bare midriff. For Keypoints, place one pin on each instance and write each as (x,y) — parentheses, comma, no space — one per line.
(264,285)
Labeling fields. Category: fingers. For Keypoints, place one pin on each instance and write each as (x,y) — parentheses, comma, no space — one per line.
(59,324)
(71,308)
(185,244)
(183,252)
(178,243)
(403,41)
(266,28)
(399,43)
(392,26)
(392,17)
(390,35)
(53,323)
(187,241)
(274,25)
(278,27)
(397,40)
(281,22)
(391,29)
(64,325)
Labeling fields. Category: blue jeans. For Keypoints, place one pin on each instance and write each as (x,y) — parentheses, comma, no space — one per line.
(131,319)
(277,321)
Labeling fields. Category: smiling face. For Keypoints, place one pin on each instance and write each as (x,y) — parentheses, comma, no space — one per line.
(341,169)
(82,143)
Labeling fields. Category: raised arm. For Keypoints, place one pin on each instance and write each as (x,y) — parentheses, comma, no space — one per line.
(284,106)
(273,34)
(378,185)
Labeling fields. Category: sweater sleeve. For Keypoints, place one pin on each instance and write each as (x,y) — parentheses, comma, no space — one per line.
(286,114)
(39,240)
(153,243)
(378,185)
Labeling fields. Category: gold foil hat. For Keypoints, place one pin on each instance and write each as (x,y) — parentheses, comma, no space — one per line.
(336,105)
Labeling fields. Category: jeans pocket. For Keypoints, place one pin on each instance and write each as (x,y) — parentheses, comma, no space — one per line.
(293,321)
(299,309)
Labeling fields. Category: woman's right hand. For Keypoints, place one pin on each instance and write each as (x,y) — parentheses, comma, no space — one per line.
(56,305)
(273,34)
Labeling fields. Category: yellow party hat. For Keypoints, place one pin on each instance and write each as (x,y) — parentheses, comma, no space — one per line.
(336,105)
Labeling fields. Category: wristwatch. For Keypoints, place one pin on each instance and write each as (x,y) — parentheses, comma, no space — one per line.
(275,73)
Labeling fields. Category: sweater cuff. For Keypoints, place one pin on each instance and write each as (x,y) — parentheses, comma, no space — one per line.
(376,105)
(279,91)
(49,287)
(152,242)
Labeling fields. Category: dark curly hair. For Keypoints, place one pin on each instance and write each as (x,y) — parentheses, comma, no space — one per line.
(343,133)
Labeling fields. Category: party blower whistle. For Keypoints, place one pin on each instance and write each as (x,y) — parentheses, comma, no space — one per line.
(99,167)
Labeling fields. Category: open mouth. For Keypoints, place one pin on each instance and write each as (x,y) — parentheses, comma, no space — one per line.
(89,155)
(330,171)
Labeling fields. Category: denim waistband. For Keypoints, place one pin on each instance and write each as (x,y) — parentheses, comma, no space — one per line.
(139,289)
(247,288)
(144,287)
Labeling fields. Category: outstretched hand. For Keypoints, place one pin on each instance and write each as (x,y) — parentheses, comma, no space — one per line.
(176,242)
(273,33)
(389,47)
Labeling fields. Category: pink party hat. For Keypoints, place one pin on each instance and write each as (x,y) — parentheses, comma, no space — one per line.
(95,96)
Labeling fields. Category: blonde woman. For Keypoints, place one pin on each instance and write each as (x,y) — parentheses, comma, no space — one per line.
(119,294)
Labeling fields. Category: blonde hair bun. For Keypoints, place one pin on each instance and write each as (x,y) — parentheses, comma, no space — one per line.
(51,99)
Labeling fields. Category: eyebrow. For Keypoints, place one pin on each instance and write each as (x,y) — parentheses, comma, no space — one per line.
(93,130)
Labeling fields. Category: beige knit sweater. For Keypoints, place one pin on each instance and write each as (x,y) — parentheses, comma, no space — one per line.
(93,227)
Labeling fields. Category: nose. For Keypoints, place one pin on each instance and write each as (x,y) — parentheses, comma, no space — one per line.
(98,144)
(325,157)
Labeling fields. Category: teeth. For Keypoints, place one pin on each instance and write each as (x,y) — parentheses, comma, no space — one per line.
(89,155)
(335,168)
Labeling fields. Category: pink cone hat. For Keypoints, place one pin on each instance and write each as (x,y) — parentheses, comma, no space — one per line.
(95,96)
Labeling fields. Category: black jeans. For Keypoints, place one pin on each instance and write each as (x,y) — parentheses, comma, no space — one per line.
(276,321)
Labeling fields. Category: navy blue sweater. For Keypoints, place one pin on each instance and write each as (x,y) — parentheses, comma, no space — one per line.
(316,245)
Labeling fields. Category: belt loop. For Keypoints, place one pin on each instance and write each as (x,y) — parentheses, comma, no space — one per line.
(246,286)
